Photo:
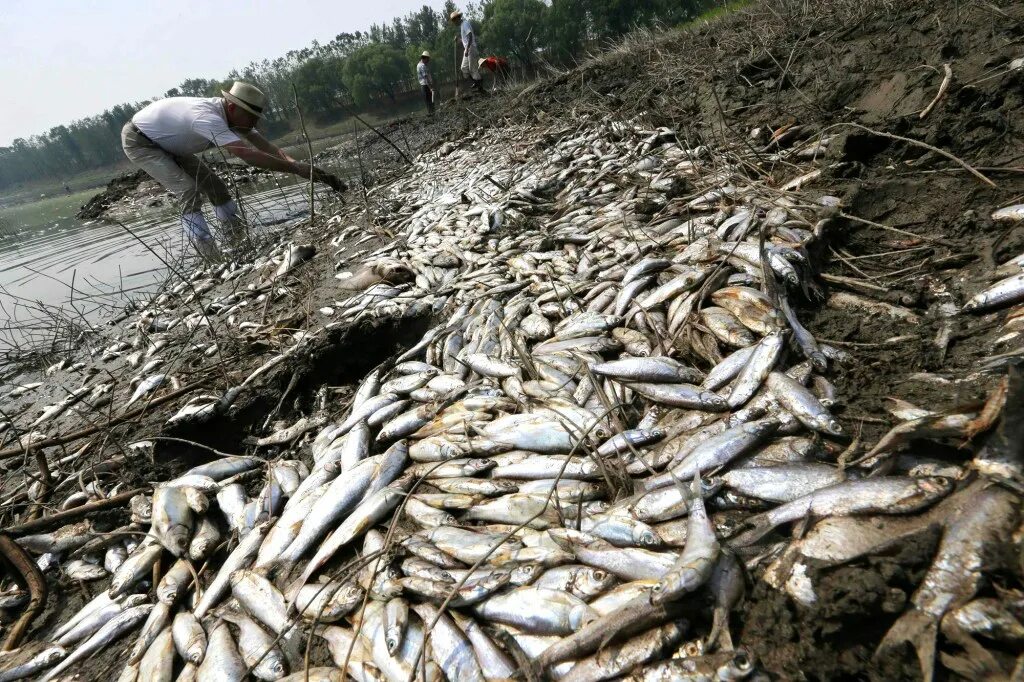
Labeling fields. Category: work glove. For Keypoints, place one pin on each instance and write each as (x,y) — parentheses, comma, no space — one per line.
(331,180)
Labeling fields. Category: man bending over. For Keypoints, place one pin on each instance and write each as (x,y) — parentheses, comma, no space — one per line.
(164,137)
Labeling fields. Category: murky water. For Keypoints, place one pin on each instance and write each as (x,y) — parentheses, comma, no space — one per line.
(50,261)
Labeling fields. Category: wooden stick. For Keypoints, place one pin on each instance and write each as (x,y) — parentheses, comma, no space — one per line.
(60,518)
(890,228)
(381,135)
(918,143)
(941,92)
(309,148)
(458,80)
(36,583)
(77,435)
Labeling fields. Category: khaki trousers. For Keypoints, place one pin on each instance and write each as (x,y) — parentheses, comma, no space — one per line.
(470,68)
(187,176)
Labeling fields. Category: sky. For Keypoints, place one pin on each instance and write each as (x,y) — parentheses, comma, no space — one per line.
(67,59)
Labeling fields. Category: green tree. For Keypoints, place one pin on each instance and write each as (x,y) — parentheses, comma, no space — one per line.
(515,28)
(373,71)
(567,29)
(319,83)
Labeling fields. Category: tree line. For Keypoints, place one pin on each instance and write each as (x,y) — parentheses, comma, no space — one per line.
(361,70)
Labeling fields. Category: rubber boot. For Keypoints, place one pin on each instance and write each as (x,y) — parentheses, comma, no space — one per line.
(208,251)
(234,233)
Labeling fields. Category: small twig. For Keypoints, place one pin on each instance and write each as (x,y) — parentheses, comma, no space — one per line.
(942,90)
(16,450)
(193,444)
(379,133)
(71,514)
(858,219)
(918,143)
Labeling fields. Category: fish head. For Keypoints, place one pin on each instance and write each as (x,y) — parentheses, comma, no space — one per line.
(525,574)
(657,596)
(713,400)
(135,600)
(142,508)
(710,486)
(581,615)
(347,597)
(819,361)
(476,466)
(495,581)
(176,539)
(933,487)
(196,500)
(594,580)
(387,589)
(644,535)
(52,655)
(504,485)
(272,667)
(829,425)
(762,427)
(200,547)
(167,593)
(739,667)
(392,638)
(117,585)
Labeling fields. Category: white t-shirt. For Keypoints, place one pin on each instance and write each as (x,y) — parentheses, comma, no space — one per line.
(423,73)
(467,28)
(185,125)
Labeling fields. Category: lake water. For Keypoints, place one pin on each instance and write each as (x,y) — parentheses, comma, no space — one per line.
(50,260)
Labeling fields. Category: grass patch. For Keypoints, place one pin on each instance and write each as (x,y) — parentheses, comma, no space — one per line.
(713,13)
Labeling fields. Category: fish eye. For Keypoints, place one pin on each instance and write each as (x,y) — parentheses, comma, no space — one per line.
(599,574)
(742,661)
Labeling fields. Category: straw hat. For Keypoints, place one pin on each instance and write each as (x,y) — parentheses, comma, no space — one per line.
(425,54)
(247,96)
(455,15)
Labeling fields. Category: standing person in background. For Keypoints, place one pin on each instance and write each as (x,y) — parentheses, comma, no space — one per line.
(470,68)
(164,137)
(426,81)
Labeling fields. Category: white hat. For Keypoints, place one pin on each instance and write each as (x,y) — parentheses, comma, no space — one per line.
(425,54)
(480,62)
(247,96)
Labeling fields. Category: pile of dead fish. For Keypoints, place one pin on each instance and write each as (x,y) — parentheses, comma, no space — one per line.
(616,417)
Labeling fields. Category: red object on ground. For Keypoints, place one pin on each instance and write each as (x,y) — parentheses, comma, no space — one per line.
(494,64)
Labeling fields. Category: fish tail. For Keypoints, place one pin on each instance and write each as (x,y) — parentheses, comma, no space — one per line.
(919,629)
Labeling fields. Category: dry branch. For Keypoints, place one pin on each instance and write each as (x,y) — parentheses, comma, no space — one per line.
(77,435)
(34,580)
(63,517)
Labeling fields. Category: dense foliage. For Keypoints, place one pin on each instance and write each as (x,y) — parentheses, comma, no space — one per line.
(361,69)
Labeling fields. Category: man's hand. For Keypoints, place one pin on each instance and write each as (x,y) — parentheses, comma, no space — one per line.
(329,179)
